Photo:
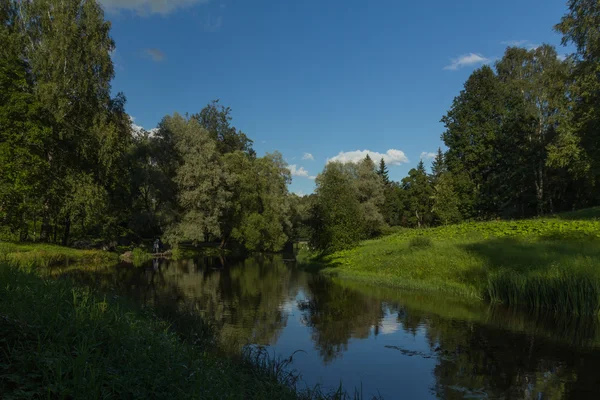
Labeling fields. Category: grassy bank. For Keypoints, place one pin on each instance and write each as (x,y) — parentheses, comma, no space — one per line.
(29,255)
(548,263)
(60,340)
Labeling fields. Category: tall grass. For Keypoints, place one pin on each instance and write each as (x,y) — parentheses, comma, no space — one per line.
(550,264)
(47,255)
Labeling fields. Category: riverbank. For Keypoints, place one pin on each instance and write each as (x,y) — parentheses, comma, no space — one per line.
(30,255)
(550,264)
(62,340)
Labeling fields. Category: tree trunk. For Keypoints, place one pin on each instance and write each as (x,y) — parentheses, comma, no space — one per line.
(45,229)
(223,243)
(67,231)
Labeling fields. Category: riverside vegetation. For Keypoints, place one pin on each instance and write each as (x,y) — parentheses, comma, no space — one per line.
(544,264)
(64,340)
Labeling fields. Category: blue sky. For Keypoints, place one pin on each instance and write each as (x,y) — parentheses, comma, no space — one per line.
(318,77)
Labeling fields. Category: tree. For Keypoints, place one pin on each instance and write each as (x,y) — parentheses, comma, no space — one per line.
(419,193)
(216,119)
(202,182)
(472,125)
(540,78)
(23,134)
(337,213)
(370,191)
(438,166)
(67,47)
(259,214)
(578,148)
(383,172)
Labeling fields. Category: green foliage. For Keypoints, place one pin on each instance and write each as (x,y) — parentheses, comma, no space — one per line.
(383,172)
(202,194)
(259,217)
(337,213)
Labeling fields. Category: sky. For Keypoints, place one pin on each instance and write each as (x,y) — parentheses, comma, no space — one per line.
(318,79)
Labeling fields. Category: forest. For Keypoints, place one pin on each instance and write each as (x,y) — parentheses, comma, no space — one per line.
(520,140)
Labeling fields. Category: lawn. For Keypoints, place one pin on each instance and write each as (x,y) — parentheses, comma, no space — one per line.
(548,263)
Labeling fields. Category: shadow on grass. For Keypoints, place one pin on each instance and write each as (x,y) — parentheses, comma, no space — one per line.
(585,214)
(557,272)
(315,262)
(520,255)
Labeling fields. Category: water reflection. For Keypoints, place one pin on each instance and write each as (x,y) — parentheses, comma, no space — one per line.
(401,345)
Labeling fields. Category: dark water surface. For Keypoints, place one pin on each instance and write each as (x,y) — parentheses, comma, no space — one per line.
(396,344)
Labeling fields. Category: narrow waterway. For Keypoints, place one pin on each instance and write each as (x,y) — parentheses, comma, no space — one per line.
(388,342)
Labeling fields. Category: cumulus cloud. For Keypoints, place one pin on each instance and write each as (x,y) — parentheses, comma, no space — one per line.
(308,156)
(466,60)
(147,7)
(155,54)
(298,171)
(391,157)
(427,156)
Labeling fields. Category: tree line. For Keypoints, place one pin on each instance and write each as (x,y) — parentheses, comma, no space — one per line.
(73,167)
(521,139)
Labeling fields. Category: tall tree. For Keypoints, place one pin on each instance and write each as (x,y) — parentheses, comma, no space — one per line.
(419,194)
(541,78)
(201,180)
(472,125)
(383,172)
(445,202)
(216,119)
(370,191)
(579,148)
(259,213)
(337,213)
(438,166)
(23,134)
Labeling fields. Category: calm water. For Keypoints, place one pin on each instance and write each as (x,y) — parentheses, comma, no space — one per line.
(399,345)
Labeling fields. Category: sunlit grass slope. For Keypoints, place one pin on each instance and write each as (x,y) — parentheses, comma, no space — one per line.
(548,263)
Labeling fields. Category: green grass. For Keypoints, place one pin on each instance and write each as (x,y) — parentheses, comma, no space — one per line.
(550,264)
(30,255)
(59,340)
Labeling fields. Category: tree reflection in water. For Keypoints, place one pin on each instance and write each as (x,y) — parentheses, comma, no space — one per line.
(477,351)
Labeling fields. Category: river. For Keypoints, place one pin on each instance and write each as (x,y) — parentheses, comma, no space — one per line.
(399,345)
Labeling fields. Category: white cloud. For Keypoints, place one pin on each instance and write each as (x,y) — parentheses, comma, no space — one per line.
(295,171)
(521,43)
(466,60)
(155,54)
(147,7)
(299,193)
(138,130)
(427,156)
(514,43)
(308,156)
(312,177)
(391,157)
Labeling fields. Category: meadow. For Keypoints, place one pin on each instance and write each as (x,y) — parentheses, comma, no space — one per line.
(550,264)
